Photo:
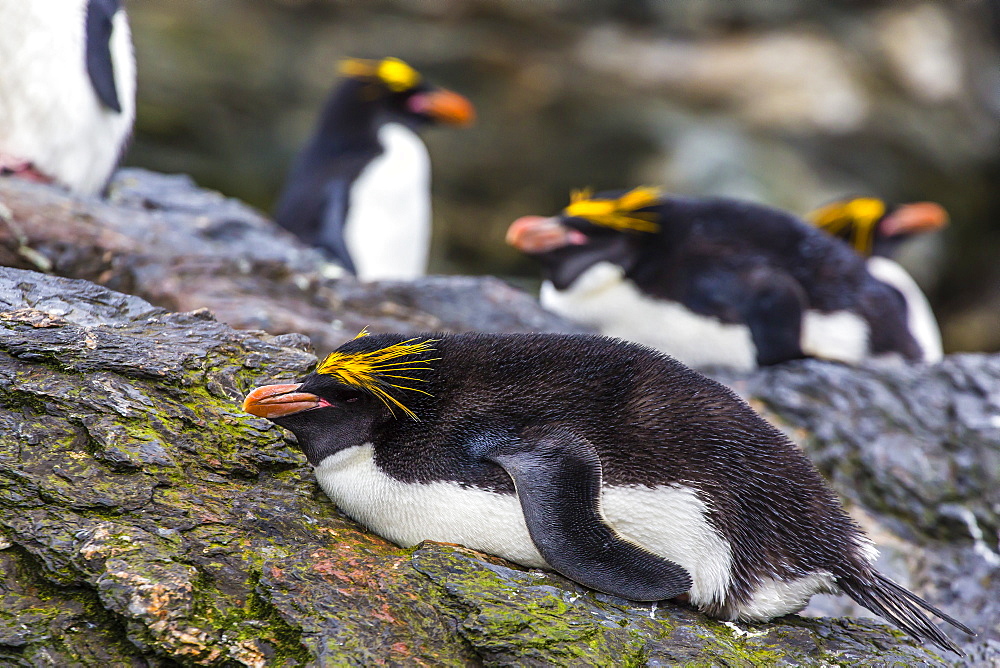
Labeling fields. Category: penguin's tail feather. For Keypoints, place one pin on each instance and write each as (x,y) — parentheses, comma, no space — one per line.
(901,607)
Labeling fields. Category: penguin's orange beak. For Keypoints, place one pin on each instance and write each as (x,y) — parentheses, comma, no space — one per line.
(274,401)
(915,218)
(537,234)
(444,106)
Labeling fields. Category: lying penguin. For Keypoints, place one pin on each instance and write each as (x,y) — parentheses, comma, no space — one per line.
(876,231)
(360,188)
(713,281)
(606,461)
(67,90)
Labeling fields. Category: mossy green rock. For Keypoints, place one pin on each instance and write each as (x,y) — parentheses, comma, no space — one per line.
(146,520)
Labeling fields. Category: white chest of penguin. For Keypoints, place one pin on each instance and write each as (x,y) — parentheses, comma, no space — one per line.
(604,298)
(670,521)
(388,224)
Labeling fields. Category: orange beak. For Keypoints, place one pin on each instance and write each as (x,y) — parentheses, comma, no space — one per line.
(915,218)
(444,106)
(274,401)
(537,234)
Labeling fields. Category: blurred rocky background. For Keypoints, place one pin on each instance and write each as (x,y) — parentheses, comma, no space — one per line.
(791,103)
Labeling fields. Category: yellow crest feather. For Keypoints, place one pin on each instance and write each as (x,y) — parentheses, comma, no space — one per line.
(375,371)
(393,72)
(397,75)
(854,219)
(620,213)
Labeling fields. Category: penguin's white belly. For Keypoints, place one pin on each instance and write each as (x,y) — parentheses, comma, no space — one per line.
(49,112)
(603,298)
(670,521)
(840,335)
(919,316)
(388,224)
(407,513)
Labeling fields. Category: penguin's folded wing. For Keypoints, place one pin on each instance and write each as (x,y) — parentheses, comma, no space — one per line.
(557,475)
(100,69)
(331,231)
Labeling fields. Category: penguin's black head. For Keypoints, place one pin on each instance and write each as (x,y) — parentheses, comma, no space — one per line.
(358,387)
(610,226)
(873,228)
(405,95)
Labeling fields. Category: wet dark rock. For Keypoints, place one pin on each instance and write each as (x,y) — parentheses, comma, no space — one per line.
(145,520)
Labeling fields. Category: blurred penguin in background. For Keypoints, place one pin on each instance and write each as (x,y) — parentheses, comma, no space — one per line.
(876,231)
(67,90)
(360,188)
(713,281)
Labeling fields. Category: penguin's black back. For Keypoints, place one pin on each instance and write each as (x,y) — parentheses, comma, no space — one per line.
(653,421)
(704,244)
(737,234)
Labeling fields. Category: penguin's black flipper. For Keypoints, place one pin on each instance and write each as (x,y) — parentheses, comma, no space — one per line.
(773,311)
(98,51)
(331,231)
(557,475)
(313,204)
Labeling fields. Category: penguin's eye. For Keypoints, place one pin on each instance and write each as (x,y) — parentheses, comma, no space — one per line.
(349,396)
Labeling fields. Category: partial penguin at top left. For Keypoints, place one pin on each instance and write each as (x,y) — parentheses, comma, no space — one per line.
(67,90)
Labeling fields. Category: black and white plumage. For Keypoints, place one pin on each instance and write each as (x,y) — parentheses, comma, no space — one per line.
(360,188)
(67,90)
(713,281)
(876,231)
(606,461)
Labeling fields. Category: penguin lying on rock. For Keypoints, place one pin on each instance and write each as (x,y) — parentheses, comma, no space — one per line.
(360,189)
(67,90)
(712,281)
(606,461)
(876,231)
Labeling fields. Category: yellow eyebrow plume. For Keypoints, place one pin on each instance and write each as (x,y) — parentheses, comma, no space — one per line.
(854,218)
(372,370)
(620,213)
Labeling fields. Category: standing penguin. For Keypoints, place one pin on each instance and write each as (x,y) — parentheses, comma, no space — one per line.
(876,231)
(712,281)
(606,461)
(67,90)
(360,189)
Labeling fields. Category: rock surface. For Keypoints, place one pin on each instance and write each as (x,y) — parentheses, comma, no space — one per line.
(146,521)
